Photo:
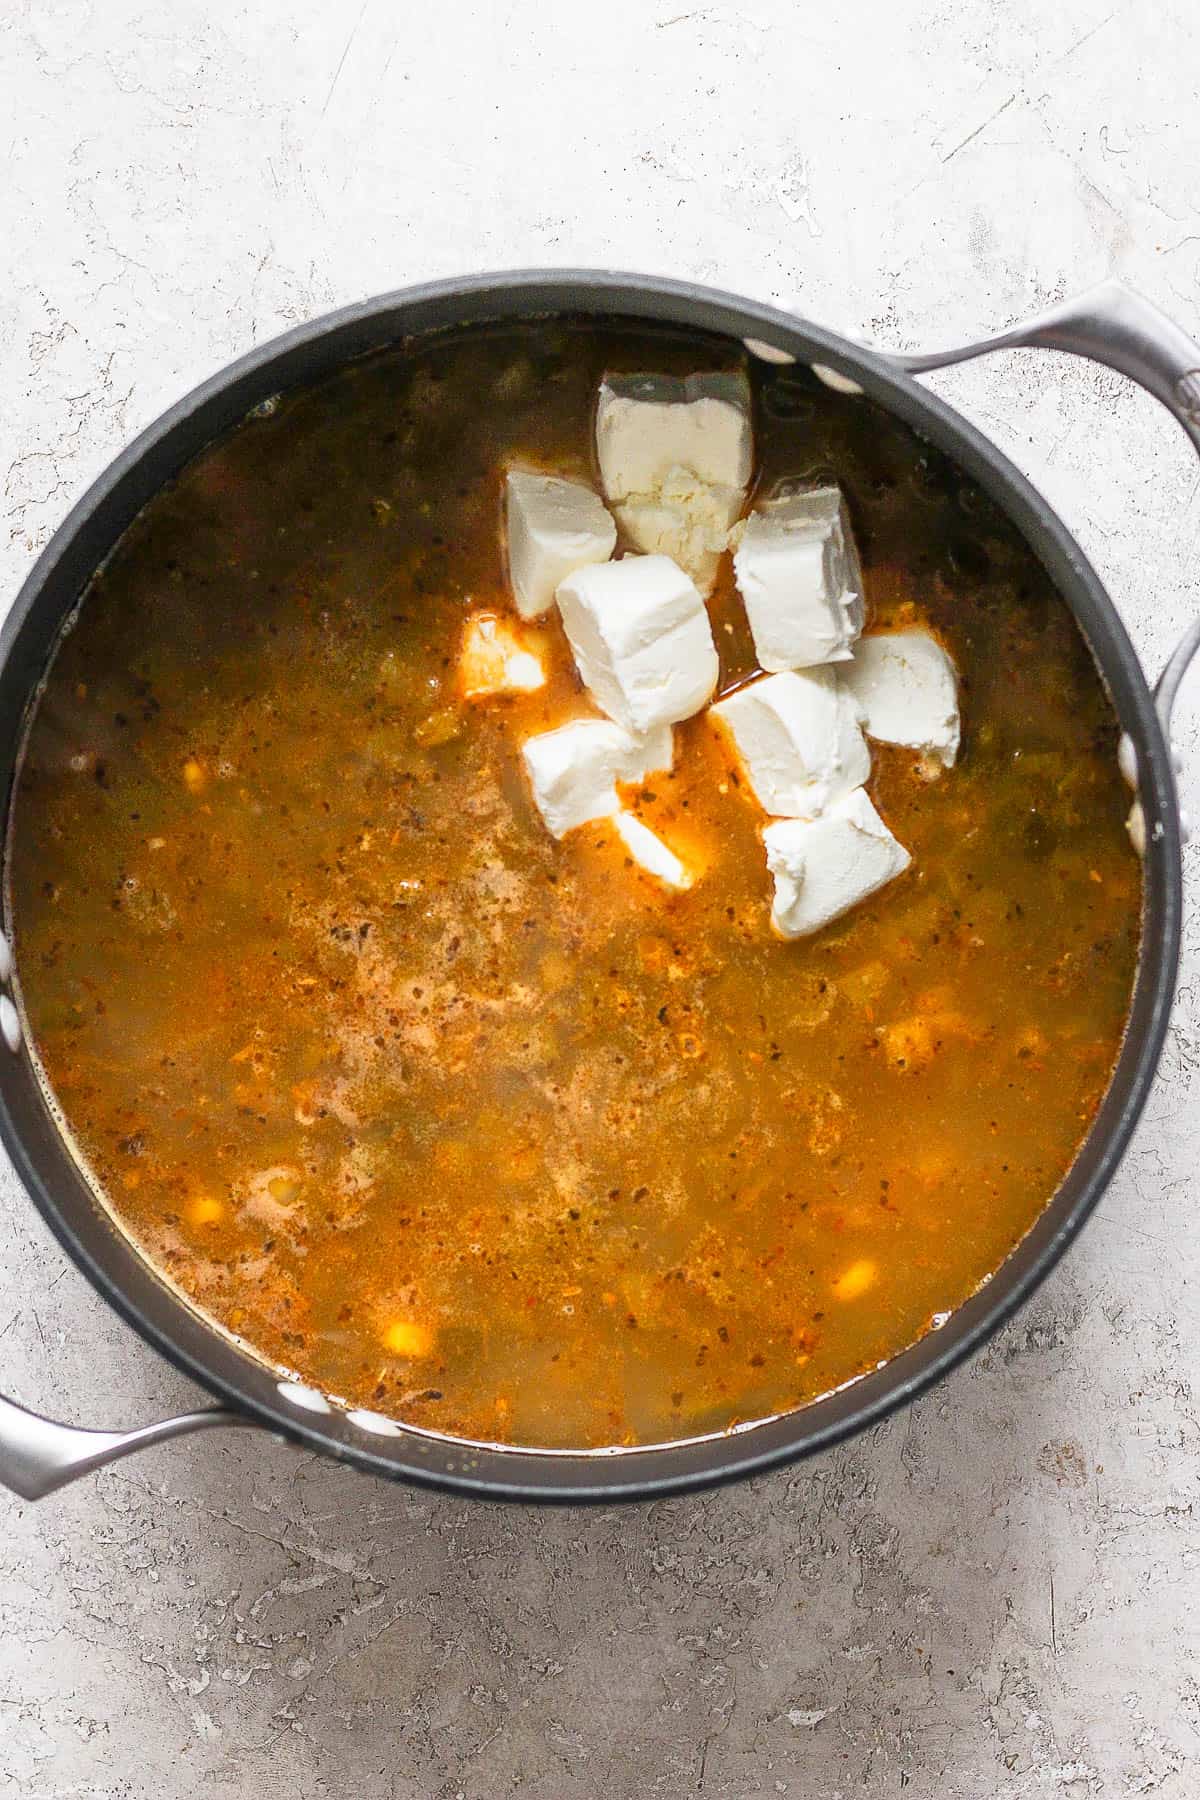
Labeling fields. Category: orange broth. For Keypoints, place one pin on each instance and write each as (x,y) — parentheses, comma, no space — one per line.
(488,1132)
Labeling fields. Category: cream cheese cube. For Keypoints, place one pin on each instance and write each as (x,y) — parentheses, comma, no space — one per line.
(493,661)
(798,573)
(823,867)
(650,853)
(574,770)
(798,739)
(554,527)
(647,425)
(686,521)
(641,640)
(907,688)
(675,461)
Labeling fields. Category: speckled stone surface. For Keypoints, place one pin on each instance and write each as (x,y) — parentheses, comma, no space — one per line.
(992,1596)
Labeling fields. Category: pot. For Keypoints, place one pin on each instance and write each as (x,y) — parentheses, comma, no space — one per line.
(1110,324)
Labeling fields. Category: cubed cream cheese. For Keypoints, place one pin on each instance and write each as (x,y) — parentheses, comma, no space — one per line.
(646,425)
(907,688)
(641,640)
(554,527)
(798,739)
(798,573)
(675,461)
(494,661)
(650,853)
(823,867)
(574,770)
(686,521)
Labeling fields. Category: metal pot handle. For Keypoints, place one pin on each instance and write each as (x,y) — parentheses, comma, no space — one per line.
(37,1456)
(1113,325)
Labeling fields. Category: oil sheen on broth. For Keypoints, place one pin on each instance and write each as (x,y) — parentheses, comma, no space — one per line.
(488,1132)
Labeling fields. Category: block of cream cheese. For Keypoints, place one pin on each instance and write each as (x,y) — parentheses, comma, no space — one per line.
(798,738)
(686,521)
(907,689)
(650,853)
(823,867)
(494,661)
(798,572)
(675,461)
(554,527)
(641,639)
(574,771)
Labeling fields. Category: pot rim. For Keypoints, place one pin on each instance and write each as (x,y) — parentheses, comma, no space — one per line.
(168,1322)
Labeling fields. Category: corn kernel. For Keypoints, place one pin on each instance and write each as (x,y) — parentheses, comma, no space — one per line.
(405,1337)
(206,1210)
(194,777)
(853,1283)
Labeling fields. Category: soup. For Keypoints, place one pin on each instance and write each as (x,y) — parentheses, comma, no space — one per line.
(488,1132)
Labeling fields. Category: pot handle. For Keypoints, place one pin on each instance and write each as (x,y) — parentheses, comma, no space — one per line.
(1112,325)
(37,1456)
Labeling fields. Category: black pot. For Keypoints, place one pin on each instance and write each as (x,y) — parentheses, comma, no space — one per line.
(1112,325)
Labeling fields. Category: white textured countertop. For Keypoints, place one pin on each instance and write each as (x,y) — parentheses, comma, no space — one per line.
(992,1596)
